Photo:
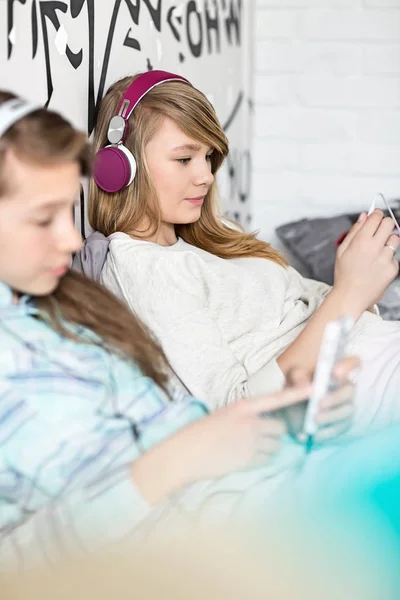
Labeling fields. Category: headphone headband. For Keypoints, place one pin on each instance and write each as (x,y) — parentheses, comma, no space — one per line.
(13,110)
(117,129)
(115,165)
(141,86)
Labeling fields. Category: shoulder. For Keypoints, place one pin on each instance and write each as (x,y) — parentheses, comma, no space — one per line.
(150,264)
(16,336)
(156,282)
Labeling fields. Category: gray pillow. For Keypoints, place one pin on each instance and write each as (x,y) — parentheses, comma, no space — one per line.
(312,243)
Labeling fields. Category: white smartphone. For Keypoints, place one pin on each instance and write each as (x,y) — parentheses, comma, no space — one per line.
(332,350)
(390,211)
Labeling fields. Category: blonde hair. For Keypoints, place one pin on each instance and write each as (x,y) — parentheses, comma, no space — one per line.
(44,137)
(128,209)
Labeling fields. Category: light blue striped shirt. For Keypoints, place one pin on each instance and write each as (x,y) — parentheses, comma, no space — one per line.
(73,417)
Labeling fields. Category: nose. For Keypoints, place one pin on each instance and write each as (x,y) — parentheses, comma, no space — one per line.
(69,239)
(204,176)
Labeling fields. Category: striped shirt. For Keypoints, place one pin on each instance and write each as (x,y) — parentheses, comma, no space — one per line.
(73,417)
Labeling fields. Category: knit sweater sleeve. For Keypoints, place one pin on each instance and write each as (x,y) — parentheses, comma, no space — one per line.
(318,288)
(169,294)
(321,289)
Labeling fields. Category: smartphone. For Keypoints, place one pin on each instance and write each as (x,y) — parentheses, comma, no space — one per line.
(373,206)
(332,350)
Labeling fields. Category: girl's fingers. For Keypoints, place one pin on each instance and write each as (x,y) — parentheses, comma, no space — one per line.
(392,244)
(271,402)
(353,232)
(344,394)
(271,428)
(372,224)
(346,369)
(333,431)
(384,231)
(268,446)
(343,412)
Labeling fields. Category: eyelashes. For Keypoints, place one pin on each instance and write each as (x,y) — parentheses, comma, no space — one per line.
(185,161)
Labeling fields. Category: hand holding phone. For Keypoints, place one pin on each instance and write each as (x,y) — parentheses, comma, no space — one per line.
(391,213)
(332,350)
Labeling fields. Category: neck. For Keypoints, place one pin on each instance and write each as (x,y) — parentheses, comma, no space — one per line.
(165,236)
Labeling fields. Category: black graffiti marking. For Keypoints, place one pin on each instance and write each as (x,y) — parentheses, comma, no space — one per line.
(155,12)
(239,172)
(195,48)
(207,20)
(234,112)
(91,92)
(34,29)
(93,107)
(48,10)
(44,10)
(131,42)
(233,22)
(76,7)
(10,24)
(245,176)
(74,59)
(212,24)
(174,29)
(134,10)
(233,216)
(197,22)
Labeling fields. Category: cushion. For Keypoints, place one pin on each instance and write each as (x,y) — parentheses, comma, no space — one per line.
(313,244)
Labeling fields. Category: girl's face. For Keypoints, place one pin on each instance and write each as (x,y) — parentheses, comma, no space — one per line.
(180,169)
(37,232)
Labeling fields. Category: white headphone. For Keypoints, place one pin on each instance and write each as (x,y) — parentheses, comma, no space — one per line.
(13,110)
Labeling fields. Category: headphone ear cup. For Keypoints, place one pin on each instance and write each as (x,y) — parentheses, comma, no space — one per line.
(114,168)
(132,163)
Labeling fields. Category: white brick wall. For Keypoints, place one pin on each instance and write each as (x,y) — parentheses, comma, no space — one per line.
(327,101)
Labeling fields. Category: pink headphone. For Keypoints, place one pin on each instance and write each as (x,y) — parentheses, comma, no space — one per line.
(115,166)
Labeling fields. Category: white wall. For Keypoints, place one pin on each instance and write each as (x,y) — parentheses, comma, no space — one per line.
(327,100)
(65,54)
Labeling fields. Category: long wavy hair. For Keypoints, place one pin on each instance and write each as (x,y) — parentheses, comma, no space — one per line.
(44,137)
(138,203)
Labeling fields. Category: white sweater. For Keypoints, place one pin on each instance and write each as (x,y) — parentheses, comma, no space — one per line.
(222,323)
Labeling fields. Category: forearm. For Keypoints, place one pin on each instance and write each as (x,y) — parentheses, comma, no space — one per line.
(163,470)
(303,352)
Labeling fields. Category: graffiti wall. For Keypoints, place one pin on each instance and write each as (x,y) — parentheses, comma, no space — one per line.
(65,54)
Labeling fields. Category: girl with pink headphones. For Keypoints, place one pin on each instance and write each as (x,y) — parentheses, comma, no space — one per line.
(232,317)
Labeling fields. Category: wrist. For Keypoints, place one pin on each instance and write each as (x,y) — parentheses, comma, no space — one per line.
(346,302)
(160,471)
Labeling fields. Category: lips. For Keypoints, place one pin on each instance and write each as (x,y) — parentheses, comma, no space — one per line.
(60,271)
(198,200)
